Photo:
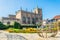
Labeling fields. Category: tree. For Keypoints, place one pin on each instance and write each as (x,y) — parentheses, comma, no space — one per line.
(17,25)
(38,24)
(58,24)
(2,26)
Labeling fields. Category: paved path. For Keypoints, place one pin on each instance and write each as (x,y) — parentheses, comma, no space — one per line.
(25,36)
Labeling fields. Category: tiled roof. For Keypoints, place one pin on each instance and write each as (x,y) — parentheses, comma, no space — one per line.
(57,17)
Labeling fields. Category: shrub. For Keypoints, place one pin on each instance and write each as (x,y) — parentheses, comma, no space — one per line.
(54,29)
(17,25)
(2,26)
(31,30)
(28,26)
(28,30)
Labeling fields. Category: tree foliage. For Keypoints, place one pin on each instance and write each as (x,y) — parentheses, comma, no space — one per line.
(2,26)
(17,25)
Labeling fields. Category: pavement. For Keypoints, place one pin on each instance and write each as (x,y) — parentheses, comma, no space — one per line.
(25,36)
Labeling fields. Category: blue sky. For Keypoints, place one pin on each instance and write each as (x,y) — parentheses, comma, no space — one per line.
(50,8)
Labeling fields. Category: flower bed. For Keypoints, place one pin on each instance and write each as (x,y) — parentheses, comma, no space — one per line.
(28,30)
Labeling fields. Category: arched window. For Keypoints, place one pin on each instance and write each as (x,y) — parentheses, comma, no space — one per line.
(28,20)
(33,20)
(8,22)
(36,19)
(23,19)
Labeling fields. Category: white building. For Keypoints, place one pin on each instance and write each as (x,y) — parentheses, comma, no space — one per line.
(24,17)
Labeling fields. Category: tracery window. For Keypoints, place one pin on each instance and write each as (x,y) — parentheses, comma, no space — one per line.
(24,19)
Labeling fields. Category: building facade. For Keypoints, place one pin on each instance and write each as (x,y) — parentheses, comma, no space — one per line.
(55,18)
(54,21)
(9,20)
(24,17)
